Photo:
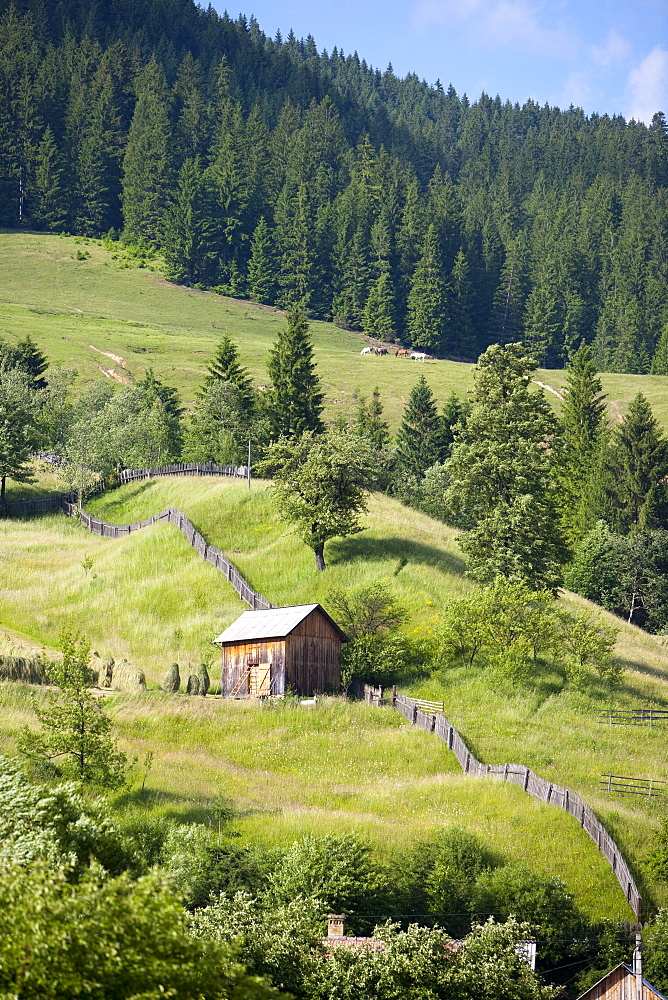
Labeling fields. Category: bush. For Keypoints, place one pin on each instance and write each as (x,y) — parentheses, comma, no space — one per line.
(171,682)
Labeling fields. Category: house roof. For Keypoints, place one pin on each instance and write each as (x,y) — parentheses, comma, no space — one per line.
(273,624)
(623,965)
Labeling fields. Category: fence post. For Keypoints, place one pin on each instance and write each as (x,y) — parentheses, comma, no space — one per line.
(394,696)
(526,779)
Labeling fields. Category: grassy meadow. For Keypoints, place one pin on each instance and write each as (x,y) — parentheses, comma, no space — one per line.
(89,309)
(319,771)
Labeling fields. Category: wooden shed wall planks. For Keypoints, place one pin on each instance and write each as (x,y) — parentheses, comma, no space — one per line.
(235,664)
(312,656)
(620,984)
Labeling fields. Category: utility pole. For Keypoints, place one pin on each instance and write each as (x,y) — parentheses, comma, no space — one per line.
(249,463)
(637,964)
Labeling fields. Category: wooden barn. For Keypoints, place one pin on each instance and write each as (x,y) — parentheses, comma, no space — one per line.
(622,983)
(267,652)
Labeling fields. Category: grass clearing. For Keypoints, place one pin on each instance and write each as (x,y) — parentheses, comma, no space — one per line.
(332,775)
(76,310)
(337,767)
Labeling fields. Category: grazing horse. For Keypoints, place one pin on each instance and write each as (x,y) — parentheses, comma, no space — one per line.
(380,350)
(366,350)
(418,355)
(401,353)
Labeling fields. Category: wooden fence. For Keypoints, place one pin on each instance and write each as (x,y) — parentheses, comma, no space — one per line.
(517,774)
(633,716)
(176,517)
(182,469)
(633,786)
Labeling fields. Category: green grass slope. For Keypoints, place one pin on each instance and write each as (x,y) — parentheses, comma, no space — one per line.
(89,313)
(141,588)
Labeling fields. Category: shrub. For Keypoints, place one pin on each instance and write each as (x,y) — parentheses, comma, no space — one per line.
(171,682)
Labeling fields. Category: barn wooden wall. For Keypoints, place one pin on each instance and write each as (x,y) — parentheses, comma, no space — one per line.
(312,656)
(235,665)
(620,984)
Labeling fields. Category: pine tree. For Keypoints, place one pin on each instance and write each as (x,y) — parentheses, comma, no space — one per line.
(147,164)
(18,433)
(640,465)
(501,476)
(418,445)
(579,448)
(262,264)
(660,360)
(50,209)
(461,307)
(378,319)
(191,250)
(296,398)
(370,423)
(295,243)
(428,319)
(353,281)
(225,367)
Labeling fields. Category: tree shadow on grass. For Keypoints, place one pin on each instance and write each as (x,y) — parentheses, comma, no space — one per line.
(644,668)
(168,804)
(401,550)
(132,494)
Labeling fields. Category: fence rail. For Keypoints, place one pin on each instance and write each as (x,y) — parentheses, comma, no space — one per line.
(183,469)
(632,716)
(172,515)
(633,786)
(517,774)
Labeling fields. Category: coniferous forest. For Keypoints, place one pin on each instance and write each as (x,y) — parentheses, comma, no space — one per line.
(264,168)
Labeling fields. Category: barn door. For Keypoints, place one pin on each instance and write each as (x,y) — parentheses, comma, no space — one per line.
(260,680)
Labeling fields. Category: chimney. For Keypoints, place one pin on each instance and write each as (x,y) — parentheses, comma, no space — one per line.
(335,926)
(637,966)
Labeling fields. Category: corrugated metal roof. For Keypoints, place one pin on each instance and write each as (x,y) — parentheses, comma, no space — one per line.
(272,624)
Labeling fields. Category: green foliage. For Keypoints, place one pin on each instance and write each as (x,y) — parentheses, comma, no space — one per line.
(75,736)
(655,951)
(500,470)
(321,484)
(591,643)
(428,320)
(369,616)
(624,574)
(18,430)
(57,826)
(109,937)
(639,466)
(418,437)
(296,397)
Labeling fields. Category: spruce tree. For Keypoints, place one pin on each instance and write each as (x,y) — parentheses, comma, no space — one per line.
(580,444)
(660,360)
(191,251)
(639,468)
(18,432)
(461,307)
(378,319)
(225,367)
(428,320)
(501,476)
(370,423)
(147,164)
(262,265)
(50,211)
(418,445)
(296,398)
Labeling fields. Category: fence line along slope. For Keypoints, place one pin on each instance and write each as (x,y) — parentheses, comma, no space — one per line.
(518,774)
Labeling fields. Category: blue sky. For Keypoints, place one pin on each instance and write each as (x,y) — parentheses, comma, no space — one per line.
(606,56)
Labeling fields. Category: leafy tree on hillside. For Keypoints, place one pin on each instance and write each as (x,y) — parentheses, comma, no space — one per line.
(295,400)
(27,358)
(321,484)
(370,423)
(501,476)
(75,738)
(225,367)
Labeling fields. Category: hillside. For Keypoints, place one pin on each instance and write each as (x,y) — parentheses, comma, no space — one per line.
(261,166)
(77,309)
(140,589)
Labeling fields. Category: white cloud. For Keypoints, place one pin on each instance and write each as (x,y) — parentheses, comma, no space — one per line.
(497,24)
(647,86)
(614,50)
